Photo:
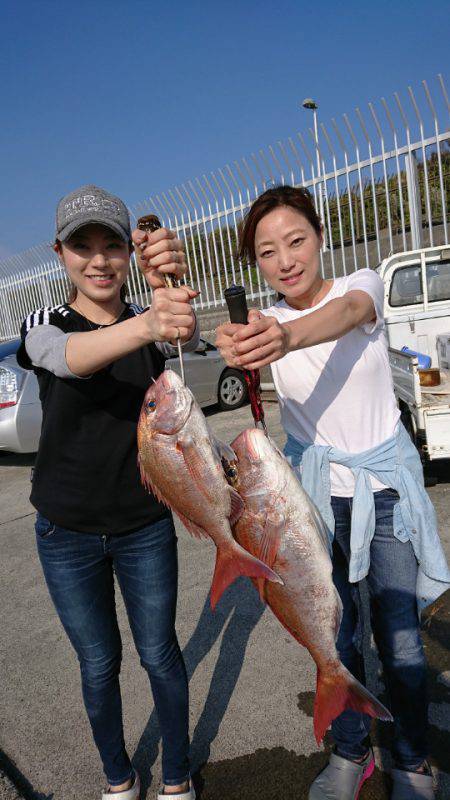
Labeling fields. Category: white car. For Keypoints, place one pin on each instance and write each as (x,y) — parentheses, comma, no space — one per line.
(207,375)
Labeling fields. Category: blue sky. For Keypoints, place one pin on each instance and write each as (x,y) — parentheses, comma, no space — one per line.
(138,96)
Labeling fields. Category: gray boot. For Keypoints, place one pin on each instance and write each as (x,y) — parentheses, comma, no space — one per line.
(411,785)
(341,779)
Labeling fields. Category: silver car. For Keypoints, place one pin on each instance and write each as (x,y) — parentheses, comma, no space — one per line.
(207,376)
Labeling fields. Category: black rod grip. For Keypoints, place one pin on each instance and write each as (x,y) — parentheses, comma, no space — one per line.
(237,304)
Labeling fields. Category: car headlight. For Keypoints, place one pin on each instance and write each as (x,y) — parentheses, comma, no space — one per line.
(9,387)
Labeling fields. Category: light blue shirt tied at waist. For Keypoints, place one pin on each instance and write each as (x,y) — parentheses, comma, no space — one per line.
(396,464)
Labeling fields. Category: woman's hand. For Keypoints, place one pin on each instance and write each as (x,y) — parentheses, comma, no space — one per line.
(161,252)
(171,315)
(254,345)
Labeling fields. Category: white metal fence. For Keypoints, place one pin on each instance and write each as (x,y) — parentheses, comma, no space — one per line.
(380,183)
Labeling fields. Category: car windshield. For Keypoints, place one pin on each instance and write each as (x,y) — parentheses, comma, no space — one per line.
(406,287)
(438,281)
(8,348)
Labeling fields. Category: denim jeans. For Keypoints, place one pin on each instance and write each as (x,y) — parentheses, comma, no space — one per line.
(392,590)
(79,570)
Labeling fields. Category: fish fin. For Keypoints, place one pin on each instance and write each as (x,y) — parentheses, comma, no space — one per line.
(196,465)
(337,613)
(147,484)
(198,468)
(337,691)
(271,538)
(221,449)
(142,472)
(237,505)
(233,562)
(270,543)
(194,529)
(319,524)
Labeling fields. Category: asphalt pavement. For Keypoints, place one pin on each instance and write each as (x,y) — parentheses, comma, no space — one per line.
(252,686)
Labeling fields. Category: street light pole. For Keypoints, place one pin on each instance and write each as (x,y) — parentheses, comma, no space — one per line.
(311,105)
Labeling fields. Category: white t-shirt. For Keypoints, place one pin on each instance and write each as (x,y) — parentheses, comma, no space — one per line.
(339,393)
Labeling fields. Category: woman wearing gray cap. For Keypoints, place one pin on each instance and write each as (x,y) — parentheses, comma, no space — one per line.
(94,358)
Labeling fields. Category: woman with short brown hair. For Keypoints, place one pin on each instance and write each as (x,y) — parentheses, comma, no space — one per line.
(326,344)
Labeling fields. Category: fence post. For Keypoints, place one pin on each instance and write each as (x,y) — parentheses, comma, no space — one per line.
(415,206)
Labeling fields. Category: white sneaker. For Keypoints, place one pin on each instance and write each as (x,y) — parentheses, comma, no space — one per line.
(189,795)
(342,779)
(411,785)
(128,794)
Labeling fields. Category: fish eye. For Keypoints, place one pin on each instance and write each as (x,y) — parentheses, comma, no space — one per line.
(151,405)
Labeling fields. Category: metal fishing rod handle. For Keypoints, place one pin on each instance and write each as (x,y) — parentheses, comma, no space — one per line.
(149,224)
(237,304)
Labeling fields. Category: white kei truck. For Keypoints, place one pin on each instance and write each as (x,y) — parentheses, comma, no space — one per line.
(417,315)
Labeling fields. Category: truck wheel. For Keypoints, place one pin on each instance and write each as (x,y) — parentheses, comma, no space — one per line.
(429,478)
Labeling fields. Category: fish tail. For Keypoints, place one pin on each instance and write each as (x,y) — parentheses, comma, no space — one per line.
(337,691)
(233,562)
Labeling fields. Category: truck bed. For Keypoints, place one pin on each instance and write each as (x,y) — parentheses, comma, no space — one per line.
(428,406)
(437,395)
(407,384)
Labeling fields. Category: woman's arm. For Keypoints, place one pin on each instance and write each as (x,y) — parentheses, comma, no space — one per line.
(332,321)
(170,312)
(265,340)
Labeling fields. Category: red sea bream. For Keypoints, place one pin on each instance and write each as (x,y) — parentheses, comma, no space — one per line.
(282,527)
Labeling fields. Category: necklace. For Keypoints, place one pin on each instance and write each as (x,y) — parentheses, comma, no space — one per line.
(95,325)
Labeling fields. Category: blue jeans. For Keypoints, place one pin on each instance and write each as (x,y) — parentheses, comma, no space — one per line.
(392,590)
(79,570)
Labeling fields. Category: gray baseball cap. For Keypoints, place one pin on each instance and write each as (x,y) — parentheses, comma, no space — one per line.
(90,204)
